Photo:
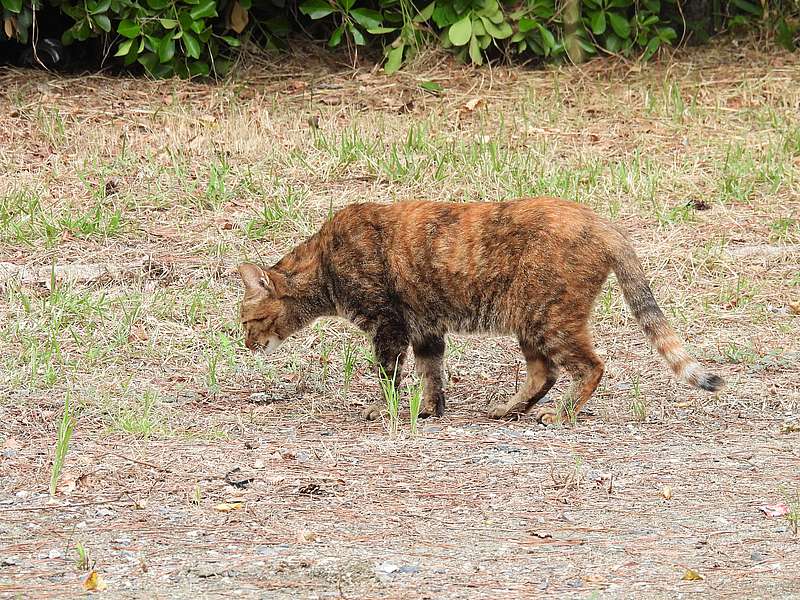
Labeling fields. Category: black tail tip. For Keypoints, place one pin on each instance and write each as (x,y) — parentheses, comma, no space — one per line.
(711,382)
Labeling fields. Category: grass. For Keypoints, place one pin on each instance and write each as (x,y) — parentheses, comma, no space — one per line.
(63,435)
(391,395)
(198,195)
(414,394)
(638,403)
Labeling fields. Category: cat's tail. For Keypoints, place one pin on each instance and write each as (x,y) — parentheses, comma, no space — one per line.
(660,334)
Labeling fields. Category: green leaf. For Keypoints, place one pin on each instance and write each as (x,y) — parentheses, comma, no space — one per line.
(231,41)
(166,49)
(381,30)
(425,13)
(652,47)
(317,9)
(667,34)
(168,23)
(619,24)
(525,25)
(103,22)
(191,44)
(157,5)
(347,4)
(785,35)
(549,41)
(14,6)
(394,58)
(498,32)
(358,37)
(336,37)
(128,29)
(460,31)
(102,7)
(206,8)
(613,43)
(130,58)
(475,51)
(753,9)
(431,86)
(199,68)
(366,17)
(149,61)
(124,48)
(597,21)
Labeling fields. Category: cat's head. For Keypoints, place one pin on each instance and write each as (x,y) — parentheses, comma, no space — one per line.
(265,311)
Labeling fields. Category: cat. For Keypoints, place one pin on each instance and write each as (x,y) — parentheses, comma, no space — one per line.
(410,272)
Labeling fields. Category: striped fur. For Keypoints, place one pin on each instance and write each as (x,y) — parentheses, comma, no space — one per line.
(410,273)
(659,333)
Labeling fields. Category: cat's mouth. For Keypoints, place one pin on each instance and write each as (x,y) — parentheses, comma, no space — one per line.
(272,344)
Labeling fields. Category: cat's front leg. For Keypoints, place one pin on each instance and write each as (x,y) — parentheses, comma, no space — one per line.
(391,344)
(429,355)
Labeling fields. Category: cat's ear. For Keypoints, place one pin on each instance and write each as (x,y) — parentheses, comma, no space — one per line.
(255,278)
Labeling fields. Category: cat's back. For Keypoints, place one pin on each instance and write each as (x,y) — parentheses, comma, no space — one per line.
(419,223)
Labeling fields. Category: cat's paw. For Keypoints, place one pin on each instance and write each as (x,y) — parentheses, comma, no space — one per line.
(373,411)
(502,411)
(431,409)
(546,415)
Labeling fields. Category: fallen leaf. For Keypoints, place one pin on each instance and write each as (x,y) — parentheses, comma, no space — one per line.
(9,25)
(138,334)
(774,510)
(473,104)
(666,492)
(228,506)
(794,307)
(692,575)
(431,86)
(239,18)
(790,426)
(305,536)
(94,582)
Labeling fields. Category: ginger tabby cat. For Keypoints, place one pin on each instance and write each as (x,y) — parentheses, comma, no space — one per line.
(409,273)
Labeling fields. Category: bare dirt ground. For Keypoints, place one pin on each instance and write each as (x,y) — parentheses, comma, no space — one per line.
(198,470)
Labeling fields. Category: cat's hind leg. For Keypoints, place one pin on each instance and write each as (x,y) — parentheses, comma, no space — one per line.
(542,373)
(577,357)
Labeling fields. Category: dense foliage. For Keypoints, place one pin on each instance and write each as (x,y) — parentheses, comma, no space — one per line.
(194,37)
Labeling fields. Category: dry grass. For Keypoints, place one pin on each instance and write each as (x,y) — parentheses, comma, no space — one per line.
(125,206)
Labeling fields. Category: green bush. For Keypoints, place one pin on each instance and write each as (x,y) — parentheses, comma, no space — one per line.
(197,37)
